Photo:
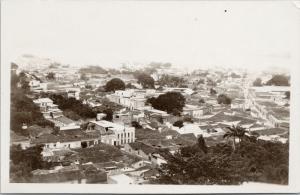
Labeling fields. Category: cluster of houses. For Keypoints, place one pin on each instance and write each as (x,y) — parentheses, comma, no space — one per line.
(264,110)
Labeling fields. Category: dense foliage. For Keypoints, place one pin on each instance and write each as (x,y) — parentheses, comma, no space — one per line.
(253,160)
(279,80)
(24,161)
(257,82)
(223,99)
(115,84)
(171,102)
(178,123)
(71,104)
(170,81)
(212,91)
(50,76)
(23,110)
(145,80)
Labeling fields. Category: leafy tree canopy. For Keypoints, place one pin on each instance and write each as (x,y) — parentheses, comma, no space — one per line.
(115,84)
(257,82)
(223,99)
(255,160)
(145,80)
(169,102)
(279,80)
(171,81)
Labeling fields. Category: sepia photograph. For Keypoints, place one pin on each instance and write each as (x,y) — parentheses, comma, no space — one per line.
(130,96)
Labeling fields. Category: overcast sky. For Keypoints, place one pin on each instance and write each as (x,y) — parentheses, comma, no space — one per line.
(192,34)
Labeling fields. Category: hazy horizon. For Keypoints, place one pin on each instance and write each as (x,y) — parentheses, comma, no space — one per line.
(192,34)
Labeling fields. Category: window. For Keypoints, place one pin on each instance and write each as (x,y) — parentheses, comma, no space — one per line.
(128,134)
(118,136)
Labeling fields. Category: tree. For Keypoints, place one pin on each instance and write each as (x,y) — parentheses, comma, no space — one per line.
(115,84)
(145,80)
(25,86)
(201,144)
(130,86)
(235,132)
(212,91)
(171,81)
(257,82)
(287,94)
(201,101)
(254,161)
(136,124)
(25,161)
(223,99)
(178,124)
(14,80)
(84,77)
(279,80)
(168,102)
(109,114)
(51,76)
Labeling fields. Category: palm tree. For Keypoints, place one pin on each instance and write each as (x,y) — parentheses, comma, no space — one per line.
(235,132)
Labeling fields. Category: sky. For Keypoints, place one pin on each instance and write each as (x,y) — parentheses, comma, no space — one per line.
(188,34)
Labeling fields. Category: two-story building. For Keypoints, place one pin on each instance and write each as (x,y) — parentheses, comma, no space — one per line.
(120,134)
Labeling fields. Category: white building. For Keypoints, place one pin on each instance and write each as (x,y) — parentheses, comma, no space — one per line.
(73,93)
(121,134)
(48,109)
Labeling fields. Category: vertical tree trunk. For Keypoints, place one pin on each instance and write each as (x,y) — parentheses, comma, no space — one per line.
(233,144)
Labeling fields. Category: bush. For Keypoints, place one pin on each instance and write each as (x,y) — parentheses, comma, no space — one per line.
(178,124)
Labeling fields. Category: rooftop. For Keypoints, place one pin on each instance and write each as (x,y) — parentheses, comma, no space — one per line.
(66,136)
(111,126)
(43,100)
(141,146)
(64,120)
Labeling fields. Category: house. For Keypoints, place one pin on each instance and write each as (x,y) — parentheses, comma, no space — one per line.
(123,117)
(197,111)
(140,163)
(129,98)
(237,103)
(70,175)
(157,159)
(73,93)
(37,85)
(120,134)
(159,115)
(184,91)
(48,109)
(64,123)
(120,179)
(68,139)
(189,128)
(139,149)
